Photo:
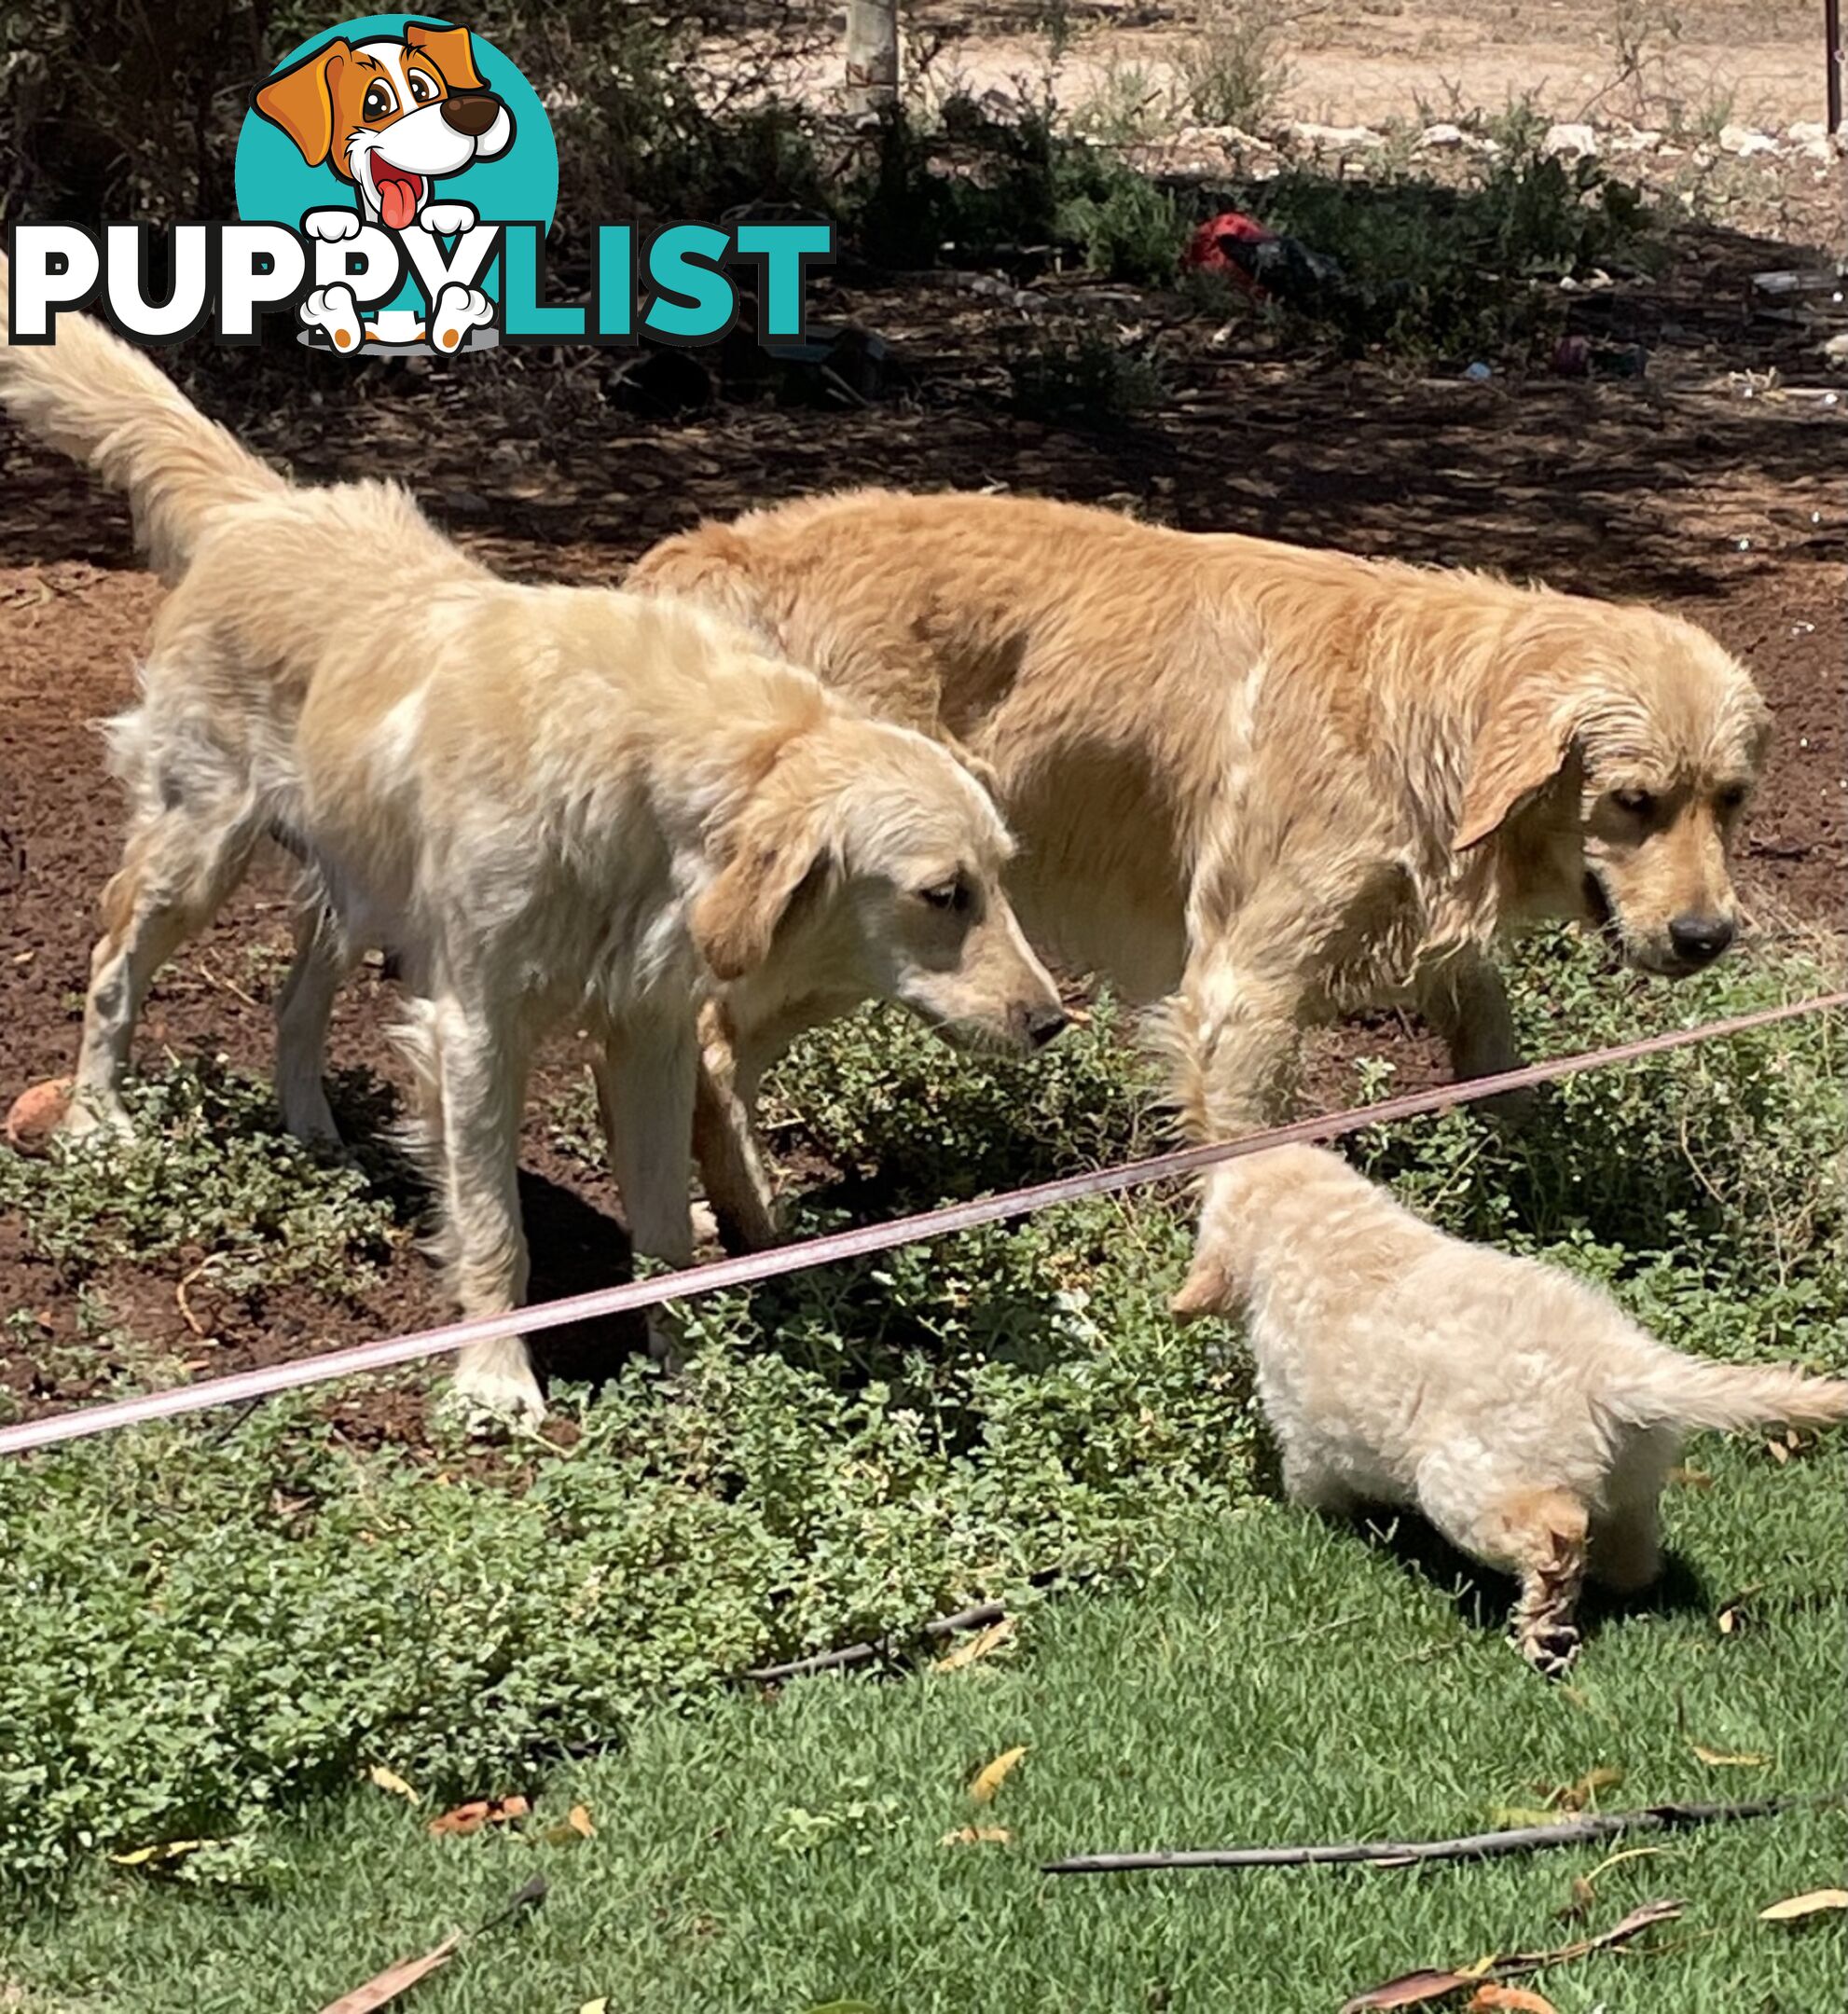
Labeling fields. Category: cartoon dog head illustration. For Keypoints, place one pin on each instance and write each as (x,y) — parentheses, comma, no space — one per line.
(391,117)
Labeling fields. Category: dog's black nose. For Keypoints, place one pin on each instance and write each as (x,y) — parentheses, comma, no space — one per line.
(472,113)
(1700,939)
(1045,1022)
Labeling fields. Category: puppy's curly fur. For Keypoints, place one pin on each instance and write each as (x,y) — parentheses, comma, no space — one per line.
(1516,1407)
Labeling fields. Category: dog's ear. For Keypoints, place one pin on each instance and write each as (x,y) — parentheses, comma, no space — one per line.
(451,50)
(301,100)
(1521,748)
(735,917)
(1206,1291)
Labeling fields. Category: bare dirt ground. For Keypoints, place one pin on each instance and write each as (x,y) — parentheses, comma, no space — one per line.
(1674,487)
(1363,62)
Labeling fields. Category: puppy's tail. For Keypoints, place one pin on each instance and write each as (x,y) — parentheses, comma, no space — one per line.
(1687,1392)
(106,406)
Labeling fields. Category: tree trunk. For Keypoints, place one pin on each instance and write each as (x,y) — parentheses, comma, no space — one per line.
(872,55)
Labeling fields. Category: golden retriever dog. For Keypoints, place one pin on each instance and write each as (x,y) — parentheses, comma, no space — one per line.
(558,805)
(1515,1406)
(1269,782)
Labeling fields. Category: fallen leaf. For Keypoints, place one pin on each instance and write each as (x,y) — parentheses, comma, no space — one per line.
(1506,1816)
(1777,1451)
(977,1645)
(978,1835)
(575,1827)
(476,1812)
(1509,2000)
(167,1850)
(1692,1478)
(1638,1920)
(1576,1796)
(387,1985)
(389,1779)
(1410,1989)
(1793,1909)
(1713,1758)
(596,2006)
(989,1780)
(1414,1989)
(578,1818)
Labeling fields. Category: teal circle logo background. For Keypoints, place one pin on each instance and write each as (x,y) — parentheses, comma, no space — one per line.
(276,186)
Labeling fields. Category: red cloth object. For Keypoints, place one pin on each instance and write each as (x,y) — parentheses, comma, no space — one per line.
(1208,249)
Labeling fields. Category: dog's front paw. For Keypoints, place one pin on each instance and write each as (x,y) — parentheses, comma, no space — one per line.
(496,1391)
(458,308)
(334,310)
(331,225)
(445,219)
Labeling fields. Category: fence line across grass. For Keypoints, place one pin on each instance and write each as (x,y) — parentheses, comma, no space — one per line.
(245,1387)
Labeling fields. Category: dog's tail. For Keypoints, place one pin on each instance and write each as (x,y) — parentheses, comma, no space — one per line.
(106,406)
(1679,1391)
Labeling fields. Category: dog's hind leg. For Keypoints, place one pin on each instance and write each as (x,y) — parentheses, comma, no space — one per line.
(1538,1534)
(479,1071)
(645,1079)
(179,867)
(322,960)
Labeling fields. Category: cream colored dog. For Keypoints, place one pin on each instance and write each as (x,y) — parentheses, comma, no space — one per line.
(555,804)
(1513,1405)
(1270,782)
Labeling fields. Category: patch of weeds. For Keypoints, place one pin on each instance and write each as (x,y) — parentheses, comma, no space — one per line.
(1426,268)
(1232,68)
(1130,228)
(1128,103)
(1087,376)
(208,1171)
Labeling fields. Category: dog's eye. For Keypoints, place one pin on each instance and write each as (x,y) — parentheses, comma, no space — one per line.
(378,101)
(422,89)
(1638,803)
(1729,799)
(953,896)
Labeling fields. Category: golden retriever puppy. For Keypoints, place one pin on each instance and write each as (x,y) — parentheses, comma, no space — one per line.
(1270,782)
(558,805)
(1512,1404)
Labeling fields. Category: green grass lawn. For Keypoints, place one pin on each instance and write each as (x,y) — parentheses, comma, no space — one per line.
(1276,1680)
(213,1629)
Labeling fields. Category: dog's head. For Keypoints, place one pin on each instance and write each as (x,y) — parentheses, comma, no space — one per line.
(866,863)
(391,117)
(1619,748)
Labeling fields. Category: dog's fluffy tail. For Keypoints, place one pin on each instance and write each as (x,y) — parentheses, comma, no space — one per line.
(106,406)
(1687,1392)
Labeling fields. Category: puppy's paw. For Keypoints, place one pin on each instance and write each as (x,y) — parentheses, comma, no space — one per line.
(458,308)
(331,225)
(445,219)
(334,311)
(1550,1648)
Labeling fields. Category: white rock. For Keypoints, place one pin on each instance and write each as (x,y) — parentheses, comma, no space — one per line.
(1744,142)
(1799,132)
(1638,140)
(1312,134)
(1443,134)
(1569,140)
(1818,150)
